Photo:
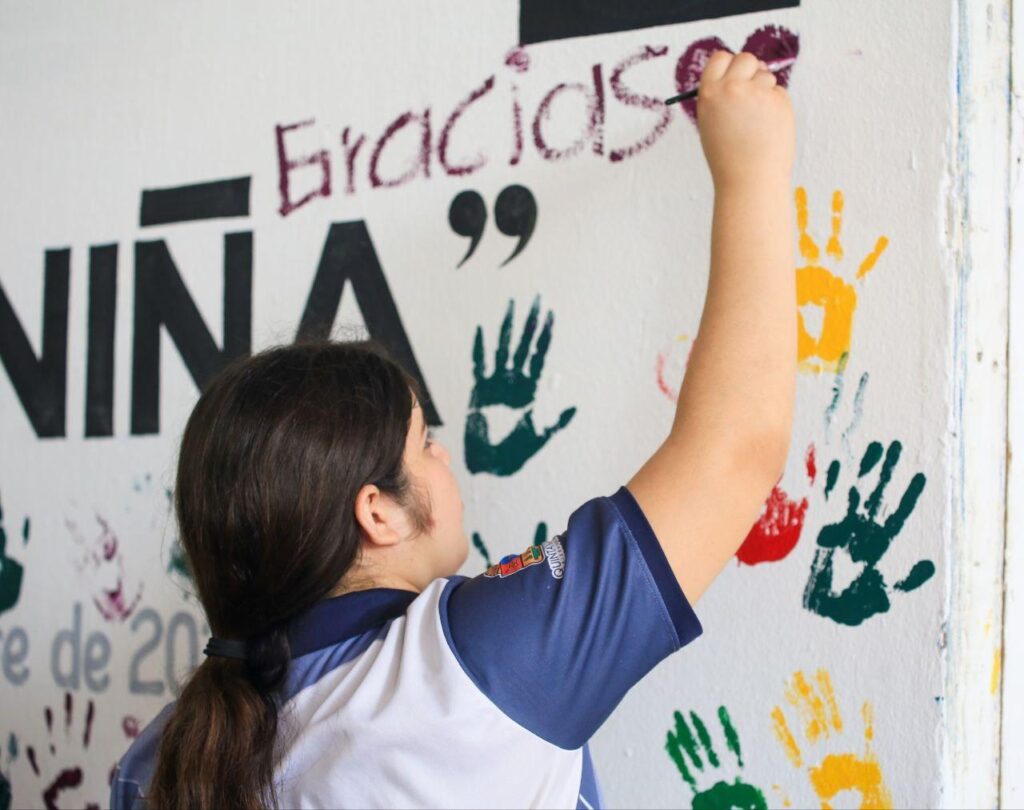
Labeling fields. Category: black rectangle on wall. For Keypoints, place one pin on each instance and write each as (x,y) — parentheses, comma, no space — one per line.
(211,200)
(541,20)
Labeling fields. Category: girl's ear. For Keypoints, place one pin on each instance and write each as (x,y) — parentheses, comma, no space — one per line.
(382,521)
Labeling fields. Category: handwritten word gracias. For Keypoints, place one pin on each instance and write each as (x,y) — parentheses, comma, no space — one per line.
(319,175)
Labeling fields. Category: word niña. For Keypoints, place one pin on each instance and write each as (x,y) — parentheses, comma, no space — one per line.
(161,301)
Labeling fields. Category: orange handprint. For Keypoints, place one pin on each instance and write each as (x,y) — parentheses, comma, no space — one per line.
(818,286)
(819,713)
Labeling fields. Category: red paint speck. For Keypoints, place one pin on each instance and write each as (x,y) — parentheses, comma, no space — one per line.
(130,726)
(812,467)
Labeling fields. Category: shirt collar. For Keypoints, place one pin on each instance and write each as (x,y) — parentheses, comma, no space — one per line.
(341,617)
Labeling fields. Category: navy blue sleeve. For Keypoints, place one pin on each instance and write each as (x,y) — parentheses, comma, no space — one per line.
(135,769)
(557,635)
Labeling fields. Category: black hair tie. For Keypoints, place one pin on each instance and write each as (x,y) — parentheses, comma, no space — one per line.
(266,656)
(226,648)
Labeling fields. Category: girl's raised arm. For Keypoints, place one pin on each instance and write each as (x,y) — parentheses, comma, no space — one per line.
(703,488)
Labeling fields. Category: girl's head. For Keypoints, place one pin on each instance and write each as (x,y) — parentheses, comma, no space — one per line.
(305,471)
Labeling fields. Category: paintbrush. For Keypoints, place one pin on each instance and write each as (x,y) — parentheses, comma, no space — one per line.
(775,65)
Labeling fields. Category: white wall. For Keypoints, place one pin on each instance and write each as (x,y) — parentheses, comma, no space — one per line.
(101,102)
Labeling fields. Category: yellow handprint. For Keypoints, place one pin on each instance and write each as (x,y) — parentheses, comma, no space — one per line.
(819,286)
(820,716)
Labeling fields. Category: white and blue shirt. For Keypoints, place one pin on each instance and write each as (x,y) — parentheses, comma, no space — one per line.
(476,692)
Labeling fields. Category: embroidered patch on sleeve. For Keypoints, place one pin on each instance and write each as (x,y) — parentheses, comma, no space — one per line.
(551,551)
(514,563)
(556,556)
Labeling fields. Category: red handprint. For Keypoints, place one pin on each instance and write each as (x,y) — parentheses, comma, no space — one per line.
(69,777)
(778,530)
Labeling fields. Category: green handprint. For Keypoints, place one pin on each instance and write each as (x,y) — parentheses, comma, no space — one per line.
(513,388)
(10,570)
(681,745)
(5,779)
(865,540)
(540,536)
(177,560)
(177,564)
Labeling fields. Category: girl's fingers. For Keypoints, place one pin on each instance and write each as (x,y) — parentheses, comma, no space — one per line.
(765,77)
(716,66)
(744,65)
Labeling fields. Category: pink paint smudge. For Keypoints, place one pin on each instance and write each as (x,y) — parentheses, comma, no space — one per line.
(130,726)
(660,363)
(102,561)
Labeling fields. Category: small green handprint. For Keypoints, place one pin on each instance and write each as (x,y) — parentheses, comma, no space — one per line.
(5,771)
(512,387)
(10,570)
(540,536)
(682,746)
(865,540)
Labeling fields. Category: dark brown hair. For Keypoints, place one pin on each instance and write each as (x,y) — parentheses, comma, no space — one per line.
(271,460)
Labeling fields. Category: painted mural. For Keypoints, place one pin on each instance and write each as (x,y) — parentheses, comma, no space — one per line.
(525,224)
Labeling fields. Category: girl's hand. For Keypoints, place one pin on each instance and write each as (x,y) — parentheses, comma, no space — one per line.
(745,121)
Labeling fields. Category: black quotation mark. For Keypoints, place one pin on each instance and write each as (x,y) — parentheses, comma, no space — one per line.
(515,214)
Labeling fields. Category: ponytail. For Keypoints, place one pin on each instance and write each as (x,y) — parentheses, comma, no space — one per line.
(271,461)
(225,717)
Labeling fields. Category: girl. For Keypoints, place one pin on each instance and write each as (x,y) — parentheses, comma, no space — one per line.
(350,667)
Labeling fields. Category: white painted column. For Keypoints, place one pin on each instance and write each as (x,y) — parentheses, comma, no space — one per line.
(979,237)
(1012,761)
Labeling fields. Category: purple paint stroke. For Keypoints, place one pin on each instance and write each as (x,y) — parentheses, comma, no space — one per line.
(518,59)
(442,144)
(285,165)
(769,43)
(594,130)
(631,99)
(90,714)
(67,711)
(517,127)
(66,779)
(773,43)
(350,152)
(690,67)
(420,164)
